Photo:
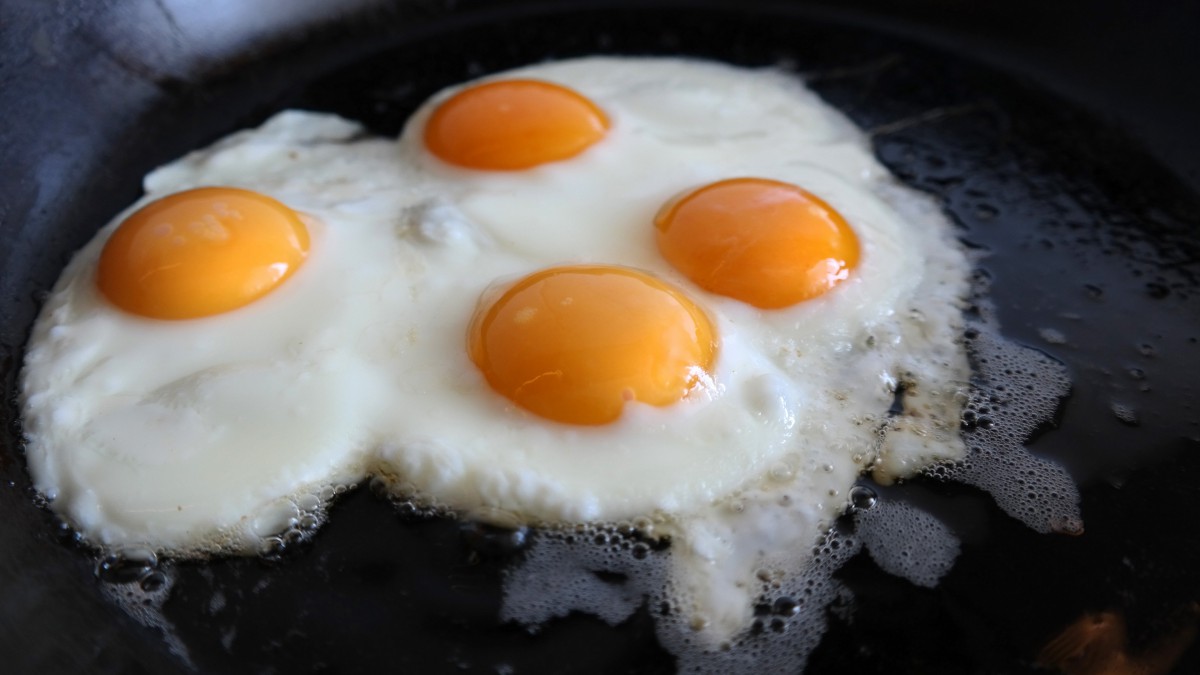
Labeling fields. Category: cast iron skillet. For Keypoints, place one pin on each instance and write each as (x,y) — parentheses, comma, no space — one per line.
(1091,235)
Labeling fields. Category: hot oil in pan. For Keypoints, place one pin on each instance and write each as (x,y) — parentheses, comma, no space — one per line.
(1085,258)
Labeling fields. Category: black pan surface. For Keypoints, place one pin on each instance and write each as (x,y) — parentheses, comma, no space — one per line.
(1092,242)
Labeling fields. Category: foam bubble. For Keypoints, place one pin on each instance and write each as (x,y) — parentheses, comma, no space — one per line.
(140,584)
(907,542)
(1015,392)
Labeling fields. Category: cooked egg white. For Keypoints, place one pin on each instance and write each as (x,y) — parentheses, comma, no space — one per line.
(206,434)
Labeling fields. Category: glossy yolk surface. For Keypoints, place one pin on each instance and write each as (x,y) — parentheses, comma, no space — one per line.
(574,344)
(766,243)
(513,124)
(201,252)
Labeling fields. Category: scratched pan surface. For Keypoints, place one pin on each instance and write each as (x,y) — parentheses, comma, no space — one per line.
(1093,259)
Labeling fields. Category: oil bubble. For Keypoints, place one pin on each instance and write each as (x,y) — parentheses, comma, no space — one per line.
(126,566)
(862,497)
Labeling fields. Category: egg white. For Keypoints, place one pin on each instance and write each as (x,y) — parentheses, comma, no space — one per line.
(203,434)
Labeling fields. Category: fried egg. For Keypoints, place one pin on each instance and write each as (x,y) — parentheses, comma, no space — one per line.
(599,290)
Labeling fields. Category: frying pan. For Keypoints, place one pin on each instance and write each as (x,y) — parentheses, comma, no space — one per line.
(1060,137)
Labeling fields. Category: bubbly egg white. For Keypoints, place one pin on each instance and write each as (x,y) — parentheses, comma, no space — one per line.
(202,435)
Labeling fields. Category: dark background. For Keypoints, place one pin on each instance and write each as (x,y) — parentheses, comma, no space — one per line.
(94,94)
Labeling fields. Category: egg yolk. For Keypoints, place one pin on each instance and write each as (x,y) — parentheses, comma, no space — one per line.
(763,242)
(201,252)
(574,344)
(513,124)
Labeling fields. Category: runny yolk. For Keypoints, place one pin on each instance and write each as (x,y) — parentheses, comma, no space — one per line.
(513,124)
(574,344)
(766,243)
(201,252)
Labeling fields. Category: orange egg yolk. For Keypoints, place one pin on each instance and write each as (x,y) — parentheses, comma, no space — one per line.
(201,252)
(574,344)
(763,242)
(513,124)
